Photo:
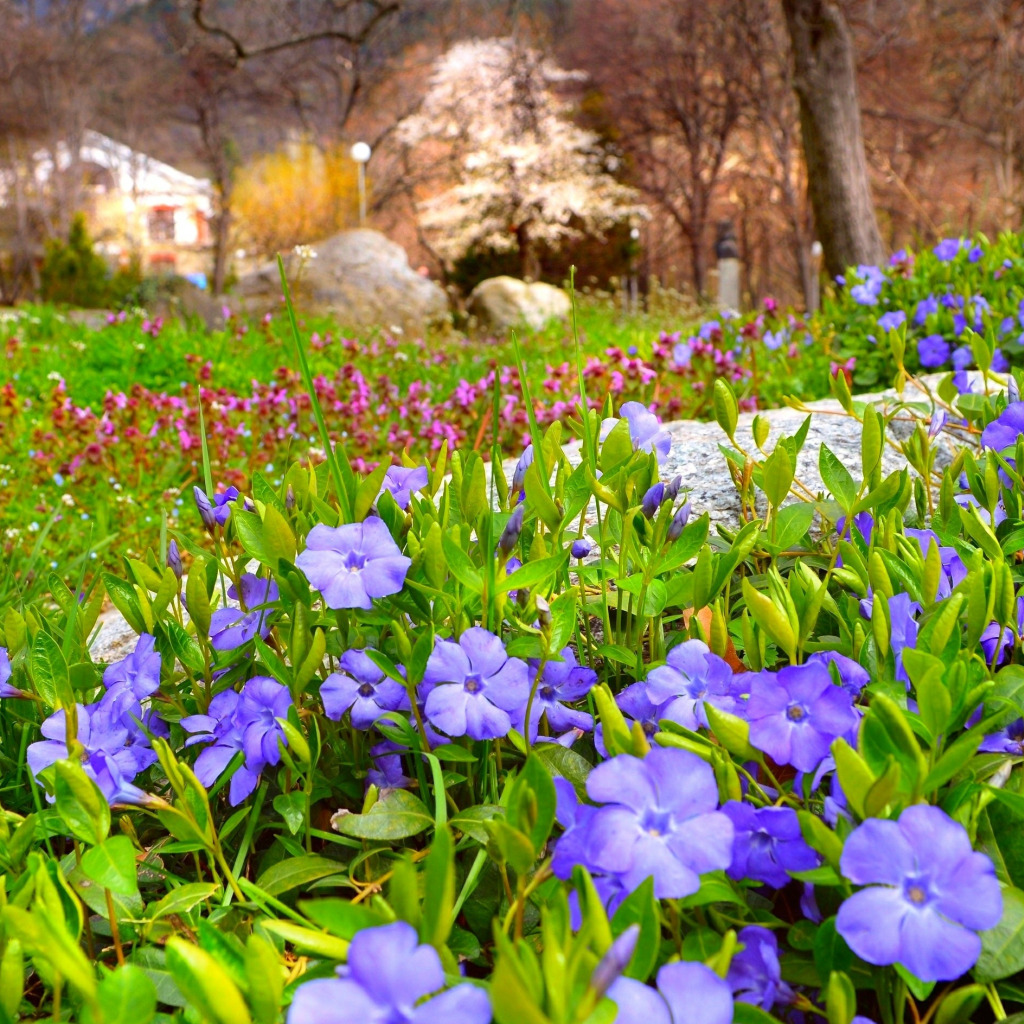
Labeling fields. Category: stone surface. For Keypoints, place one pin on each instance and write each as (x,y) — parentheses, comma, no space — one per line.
(503,302)
(360,277)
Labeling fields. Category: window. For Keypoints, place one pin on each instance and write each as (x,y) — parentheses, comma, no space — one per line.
(161,224)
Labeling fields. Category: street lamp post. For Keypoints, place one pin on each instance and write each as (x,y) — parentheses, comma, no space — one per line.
(361,154)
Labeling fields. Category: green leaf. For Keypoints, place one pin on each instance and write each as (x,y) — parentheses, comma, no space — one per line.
(837,478)
(726,407)
(197,597)
(292,808)
(265,979)
(80,804)
(534,573)
(50,671)
(792,523)
(205,984)
(438,890)
(959,1005)
(397,814)
(183,899)
(564,763)
(306,940)
(127,996)
(112,866)
(640,908)
(686,545)
(340,917)
(183,647)
(152,960)
(461,566)
(617,447)
(249,529)
(471,821)
(295,871)
(126,601)
(1002,947)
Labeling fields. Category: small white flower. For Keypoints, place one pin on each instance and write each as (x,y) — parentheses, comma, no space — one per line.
(68,500)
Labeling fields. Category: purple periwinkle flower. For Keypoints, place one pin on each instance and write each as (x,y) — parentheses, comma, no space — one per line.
(6,690)
(1003,431)
(691,676)
(401,481)
(903,630)
(1000,364)
(115,728)
(755,975)
(853,677)
(560,683)
(767,844)
(947,249)
(386,981)
(927,894)
(975,254)
(645,429)
(891,320)
(233,627)
(796,713)
(353,564)
(659,819)
(933,351)
(1006,741)
(362,689)
(218,511)
(473,688)
(867,290)
(687,993)
(245,722)
(138,673)
(962,357)
(924,309)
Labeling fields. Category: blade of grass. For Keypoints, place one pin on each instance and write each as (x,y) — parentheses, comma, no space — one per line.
(588,441)
(535,434)
(207,472)
(341,471)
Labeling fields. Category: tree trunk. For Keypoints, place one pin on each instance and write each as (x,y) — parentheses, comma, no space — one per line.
(826,87)
(529,263)
(221,239)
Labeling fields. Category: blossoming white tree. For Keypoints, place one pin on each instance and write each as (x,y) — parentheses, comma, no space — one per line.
(526,174)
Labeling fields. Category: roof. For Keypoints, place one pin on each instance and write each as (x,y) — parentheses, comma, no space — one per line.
(135,173)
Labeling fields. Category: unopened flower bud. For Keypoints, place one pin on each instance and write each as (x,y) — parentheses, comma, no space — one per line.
(524,463)
(582,547)
(289,498)
(543,613)
(679,521)
(1012,389)
(652,500)
(174,559)
(672,488)
(205,508)
(513,528)
(615,961)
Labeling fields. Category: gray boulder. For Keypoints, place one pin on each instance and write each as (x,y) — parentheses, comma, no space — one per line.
(503,302)
(361,278)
